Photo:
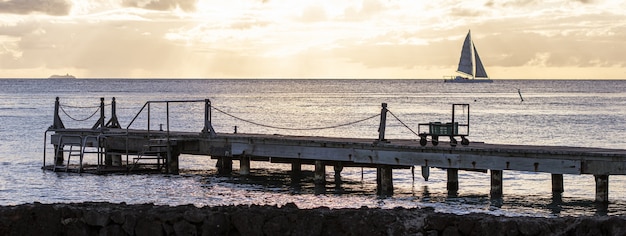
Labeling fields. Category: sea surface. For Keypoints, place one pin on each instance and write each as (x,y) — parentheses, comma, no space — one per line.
(584,113)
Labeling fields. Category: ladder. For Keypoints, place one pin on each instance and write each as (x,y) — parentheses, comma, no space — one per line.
(78,147)
(154,154)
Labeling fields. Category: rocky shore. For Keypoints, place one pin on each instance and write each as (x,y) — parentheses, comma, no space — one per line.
(121,219)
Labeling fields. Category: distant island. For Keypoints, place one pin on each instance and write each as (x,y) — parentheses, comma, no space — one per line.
(66,76)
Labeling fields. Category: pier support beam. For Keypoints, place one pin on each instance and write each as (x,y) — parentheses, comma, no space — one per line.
(113,160)
(453,182)
(338,167)
(496,184)
(320,173)
(557,183)
(224,165)
(602,188)
(58,155)
(384,181)
(296,170)
(320,177)
(296,174)
(172,163)
(244,165)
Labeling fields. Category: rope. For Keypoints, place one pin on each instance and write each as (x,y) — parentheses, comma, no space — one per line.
(402,123)
(68,115)
(72,106)
(299,129)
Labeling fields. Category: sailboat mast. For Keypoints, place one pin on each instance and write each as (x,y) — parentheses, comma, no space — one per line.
(473,55)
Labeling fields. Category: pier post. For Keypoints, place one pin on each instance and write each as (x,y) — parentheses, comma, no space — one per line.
(425,172)
(113,122)
(57,123)
(383,123)
(172,163)
(320,177)
(100,122)
(557,183)
(296,169)
(338,167)
(320,173)
(58,155)
(224,165)
(602,188)
(384,181)
(244,165)
(208,127)
(453,182)
(496,184)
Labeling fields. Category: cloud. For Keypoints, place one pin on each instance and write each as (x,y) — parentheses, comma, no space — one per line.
(162,5)
(24,7)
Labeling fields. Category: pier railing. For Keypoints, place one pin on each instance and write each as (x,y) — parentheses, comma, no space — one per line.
(207,129)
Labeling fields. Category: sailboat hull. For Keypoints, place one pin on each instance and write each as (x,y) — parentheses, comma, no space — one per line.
(467,81)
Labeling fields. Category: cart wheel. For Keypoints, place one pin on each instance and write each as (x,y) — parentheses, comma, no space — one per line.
(453,141)
(464,141)
(435,140)
(423,141)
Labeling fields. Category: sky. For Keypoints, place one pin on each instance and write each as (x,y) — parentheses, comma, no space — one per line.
(405,39)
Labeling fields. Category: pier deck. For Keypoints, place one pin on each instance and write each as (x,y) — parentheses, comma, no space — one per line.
(112,143)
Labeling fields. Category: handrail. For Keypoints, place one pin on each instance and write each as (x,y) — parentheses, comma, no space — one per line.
(208,128)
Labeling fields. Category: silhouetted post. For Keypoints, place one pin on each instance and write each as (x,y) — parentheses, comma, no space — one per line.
(338,167)
(496,184)
(602,188)
(100,122)
(244,165)
(384,181)
(208,127)
(57,123)
(113,122)
(453,181)
(557,183)
(320,177)
(383,123)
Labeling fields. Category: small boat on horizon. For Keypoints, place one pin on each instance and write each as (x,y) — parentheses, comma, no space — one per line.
(66,76)
(470,65)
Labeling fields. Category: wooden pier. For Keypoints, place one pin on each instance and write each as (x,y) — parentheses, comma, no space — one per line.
(125,149)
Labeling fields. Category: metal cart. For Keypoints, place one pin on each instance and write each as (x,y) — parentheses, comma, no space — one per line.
(458,127)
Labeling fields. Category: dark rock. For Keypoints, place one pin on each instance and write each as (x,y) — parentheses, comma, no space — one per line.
(185,228)
(147,219)
(96,218)
(194,216)
(216,223)
(147,226)
(248,221)
(112,230)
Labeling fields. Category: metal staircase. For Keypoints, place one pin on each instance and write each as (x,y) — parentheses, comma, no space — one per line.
(153,155)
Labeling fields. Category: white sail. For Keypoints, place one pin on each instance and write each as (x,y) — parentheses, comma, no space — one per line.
(465,62)
(480,69)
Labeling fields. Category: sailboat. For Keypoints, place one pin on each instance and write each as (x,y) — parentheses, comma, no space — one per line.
(469,65)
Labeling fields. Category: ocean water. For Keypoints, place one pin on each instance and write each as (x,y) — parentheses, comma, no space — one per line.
(589,113)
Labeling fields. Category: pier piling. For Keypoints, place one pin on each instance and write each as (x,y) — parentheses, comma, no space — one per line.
(602,188)
(320,173)
(557,183)
(384,180)
(224,165)
(244,165)
(453,181)
(496,184)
